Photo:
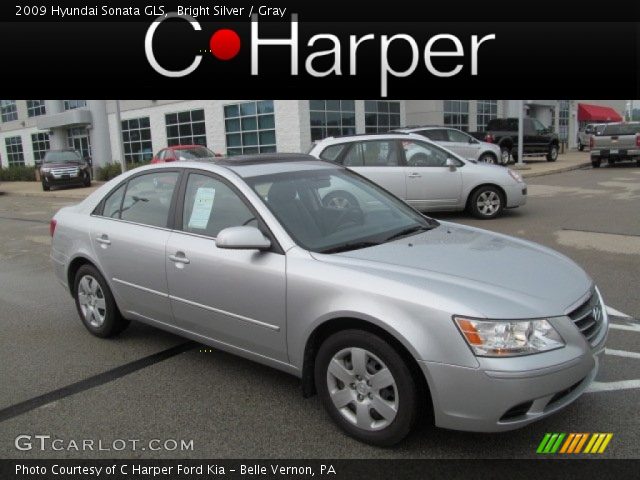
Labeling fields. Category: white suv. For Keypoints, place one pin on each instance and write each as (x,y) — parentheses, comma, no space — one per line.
(426,175)
(460,142)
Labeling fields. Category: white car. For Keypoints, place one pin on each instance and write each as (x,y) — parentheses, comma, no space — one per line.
(424,174)
(460,142)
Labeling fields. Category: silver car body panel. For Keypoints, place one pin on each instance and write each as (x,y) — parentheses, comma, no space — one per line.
(265,305)
(433,188)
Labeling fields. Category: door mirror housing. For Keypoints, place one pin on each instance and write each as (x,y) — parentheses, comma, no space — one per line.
(242,238)
(452,164)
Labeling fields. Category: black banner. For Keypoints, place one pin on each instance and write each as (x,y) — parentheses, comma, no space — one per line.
(369,469)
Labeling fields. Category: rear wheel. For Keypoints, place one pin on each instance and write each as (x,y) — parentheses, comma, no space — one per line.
(552,156)
(486,202)
(366,387)
(96,305)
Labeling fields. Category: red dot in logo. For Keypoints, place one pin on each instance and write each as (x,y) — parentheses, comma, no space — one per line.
(224,44)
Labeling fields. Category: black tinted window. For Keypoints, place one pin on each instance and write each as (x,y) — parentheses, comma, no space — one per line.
(148,198)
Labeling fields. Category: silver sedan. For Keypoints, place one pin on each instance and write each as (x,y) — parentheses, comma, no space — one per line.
(426,175)
(382,311)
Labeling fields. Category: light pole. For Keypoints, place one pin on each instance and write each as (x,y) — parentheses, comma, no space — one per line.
(519,165)
(123,162)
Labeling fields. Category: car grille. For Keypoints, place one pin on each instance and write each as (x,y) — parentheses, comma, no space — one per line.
(60,171)
(588,318)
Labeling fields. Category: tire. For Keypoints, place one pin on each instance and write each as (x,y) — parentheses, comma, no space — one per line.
(398,400)
(611,162)
(596,162)
(86,182)
(552,156)
(580,146)
(505,154)
(489,158)
(95,303)
(45,186)
(486,202)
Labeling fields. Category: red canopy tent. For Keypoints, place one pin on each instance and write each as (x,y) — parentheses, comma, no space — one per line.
(596,113)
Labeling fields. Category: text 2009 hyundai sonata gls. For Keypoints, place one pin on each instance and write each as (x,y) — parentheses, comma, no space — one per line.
(380,310)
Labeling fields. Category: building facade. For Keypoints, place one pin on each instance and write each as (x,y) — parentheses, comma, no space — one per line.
(28,128)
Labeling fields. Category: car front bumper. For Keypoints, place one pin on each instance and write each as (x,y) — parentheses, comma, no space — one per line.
(494,399)
(516,195)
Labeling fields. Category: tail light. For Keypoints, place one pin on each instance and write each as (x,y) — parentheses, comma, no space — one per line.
(488,138)
(637,139)
(52,226)
(592,142)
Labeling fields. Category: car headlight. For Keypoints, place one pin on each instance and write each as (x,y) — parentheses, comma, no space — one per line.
(508,338)
(515,175)
(45,169)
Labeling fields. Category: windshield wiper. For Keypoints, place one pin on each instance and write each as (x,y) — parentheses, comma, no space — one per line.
(349,246)
(409,231)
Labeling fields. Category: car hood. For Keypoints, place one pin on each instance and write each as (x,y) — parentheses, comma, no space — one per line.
(61,164)
(490,274)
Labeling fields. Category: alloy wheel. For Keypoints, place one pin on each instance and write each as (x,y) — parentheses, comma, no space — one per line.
(488,203)
(92,301)
(362,389)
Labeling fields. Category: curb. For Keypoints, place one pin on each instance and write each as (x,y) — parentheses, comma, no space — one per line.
(558,170)
(41,195)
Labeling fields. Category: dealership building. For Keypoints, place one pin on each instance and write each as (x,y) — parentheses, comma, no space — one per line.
(28,128)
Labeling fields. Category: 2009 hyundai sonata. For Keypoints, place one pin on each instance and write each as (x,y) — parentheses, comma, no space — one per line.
(380,310)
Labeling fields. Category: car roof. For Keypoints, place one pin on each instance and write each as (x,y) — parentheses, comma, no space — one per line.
(254,165)
(369,136)
(183,147)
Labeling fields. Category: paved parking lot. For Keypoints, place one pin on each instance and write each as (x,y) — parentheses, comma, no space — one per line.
(233,408)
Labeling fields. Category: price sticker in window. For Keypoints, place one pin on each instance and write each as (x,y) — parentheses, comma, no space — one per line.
(202,207)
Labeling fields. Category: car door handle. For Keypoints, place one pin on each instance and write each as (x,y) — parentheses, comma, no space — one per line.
(179,257)
(103,240)
(414,175)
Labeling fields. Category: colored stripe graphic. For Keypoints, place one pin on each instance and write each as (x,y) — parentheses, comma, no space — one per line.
(573,443)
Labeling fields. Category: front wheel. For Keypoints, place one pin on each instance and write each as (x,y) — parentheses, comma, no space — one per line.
(95,303)
(505,155)
(489,158)
(366,387)
(45,186)
(580,146)
(596,162)
(486,202)
(552,156)
(86,181)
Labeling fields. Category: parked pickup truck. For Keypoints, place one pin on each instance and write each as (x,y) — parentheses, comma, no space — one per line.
(585,134)
(538,139)
(617,142)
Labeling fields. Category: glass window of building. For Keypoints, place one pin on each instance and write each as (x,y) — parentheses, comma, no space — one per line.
(15,155)
(456,114)
(35,108)
(250,127)
(72,104)
(40,144)
(487,110)
(136,140)
(332,118)
(8,110)
(380,116)
(563,119)
(186,128)
(79,140)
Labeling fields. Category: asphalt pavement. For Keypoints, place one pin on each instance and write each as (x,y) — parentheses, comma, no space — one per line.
(58,380)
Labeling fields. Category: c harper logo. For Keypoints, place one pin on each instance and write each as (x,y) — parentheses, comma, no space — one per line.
(226,43)
(574,443)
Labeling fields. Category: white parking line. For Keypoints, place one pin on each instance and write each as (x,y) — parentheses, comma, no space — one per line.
(621,353)
(617,313)
(612,386)
(628,328)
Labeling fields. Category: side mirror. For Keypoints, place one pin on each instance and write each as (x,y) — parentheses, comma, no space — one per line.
(242,238)
(452,164)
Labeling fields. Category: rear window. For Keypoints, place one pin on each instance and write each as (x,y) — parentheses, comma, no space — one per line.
(332,152)
(622,129)
(503,124)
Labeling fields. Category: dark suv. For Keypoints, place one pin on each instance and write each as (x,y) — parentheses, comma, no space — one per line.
(64,167)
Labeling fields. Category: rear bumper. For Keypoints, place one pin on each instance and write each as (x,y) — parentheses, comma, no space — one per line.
(616,153)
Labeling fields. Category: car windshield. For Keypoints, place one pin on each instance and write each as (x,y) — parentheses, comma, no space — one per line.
(61,157)
(194,153)
(334,210)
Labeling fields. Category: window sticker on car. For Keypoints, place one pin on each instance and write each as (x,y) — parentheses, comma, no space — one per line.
(202,206)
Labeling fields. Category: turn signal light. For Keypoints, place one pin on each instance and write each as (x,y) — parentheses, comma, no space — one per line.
(637,139)
(52,226)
